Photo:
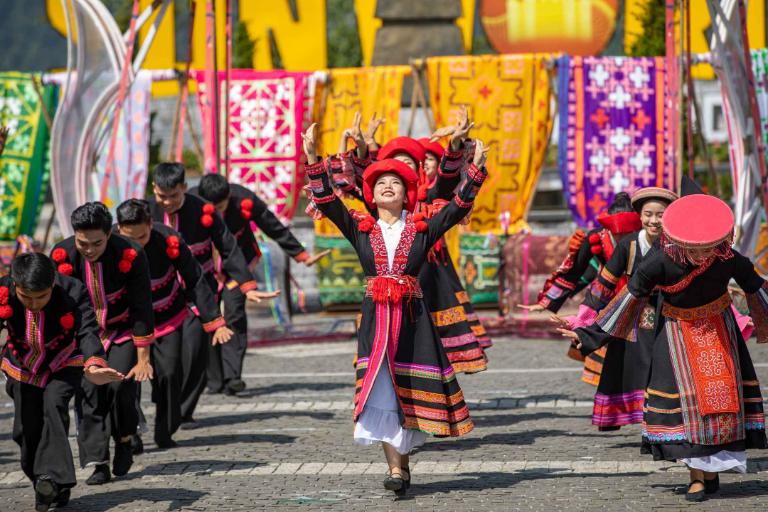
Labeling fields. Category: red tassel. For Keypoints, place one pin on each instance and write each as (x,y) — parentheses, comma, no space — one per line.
(594,238)
(596,249)
(365,225)
(59,255)
(208,208)
(206,220)
(65,269)
(421,226)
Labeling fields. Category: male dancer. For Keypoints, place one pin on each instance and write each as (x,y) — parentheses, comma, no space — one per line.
(213,246)
(53,341)
(116,274)
(173,271)
(239,207)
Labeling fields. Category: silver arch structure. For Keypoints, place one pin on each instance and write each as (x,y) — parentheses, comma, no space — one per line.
(96,52)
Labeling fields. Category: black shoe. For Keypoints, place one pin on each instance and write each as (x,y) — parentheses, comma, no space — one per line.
(188,424)
(695,496)
(712,486)
(394,483)
(100,475)
(46,491)
(123,459)
(234,386)
(63,498)
(137,445)
(166,444)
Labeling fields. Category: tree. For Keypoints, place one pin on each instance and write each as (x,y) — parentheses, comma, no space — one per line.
(343,38)
(652,41)
(242,47)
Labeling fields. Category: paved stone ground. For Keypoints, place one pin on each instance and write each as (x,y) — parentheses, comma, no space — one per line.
(286,444)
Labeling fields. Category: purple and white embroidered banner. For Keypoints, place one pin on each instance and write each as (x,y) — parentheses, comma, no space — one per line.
(612,131)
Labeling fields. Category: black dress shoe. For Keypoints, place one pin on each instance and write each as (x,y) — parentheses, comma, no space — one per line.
(234,386)
(695,496)
(63,498)
(188,424)
(46,491)
(137,445)
(712,486)
(123,459)
(99,476)
(166,444)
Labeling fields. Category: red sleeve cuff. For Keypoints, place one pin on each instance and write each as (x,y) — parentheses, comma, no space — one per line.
(143,341)
(302,256)
(316,169)
(248,286)
(95,361)
(214,324)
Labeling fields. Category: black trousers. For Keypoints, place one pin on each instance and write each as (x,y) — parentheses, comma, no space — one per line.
(194,361)
(41,426)
(226,361)
(108,410)
(166,386)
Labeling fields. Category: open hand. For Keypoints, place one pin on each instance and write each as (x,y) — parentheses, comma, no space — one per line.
(567,333)
(141,372)
(257,296)
(560,322)
(533,308)
(317,257)
(99,376)
(373,126)
(309,144)
(221,336)
(481,154)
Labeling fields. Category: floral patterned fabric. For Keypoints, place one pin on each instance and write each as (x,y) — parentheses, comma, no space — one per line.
(24,166)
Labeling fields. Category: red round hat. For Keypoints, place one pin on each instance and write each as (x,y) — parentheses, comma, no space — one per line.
(405,145)
(698,221)
(432,147)
(620,223)
(390,165)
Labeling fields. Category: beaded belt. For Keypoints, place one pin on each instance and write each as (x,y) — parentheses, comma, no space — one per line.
(713,308)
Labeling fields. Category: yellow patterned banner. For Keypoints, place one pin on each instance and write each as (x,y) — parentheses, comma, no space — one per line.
(508,97)
(348,90)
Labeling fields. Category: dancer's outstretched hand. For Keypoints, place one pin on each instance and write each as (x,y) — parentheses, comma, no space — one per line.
(309,144)
(221,336)
(98,375)
(481,154)
(533,308)
(567,333)
(373,126)
(141,372)
(317,257)
(560,322)
(257,295)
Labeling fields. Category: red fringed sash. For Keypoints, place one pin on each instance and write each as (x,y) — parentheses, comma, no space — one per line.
(387,289)
(709,355)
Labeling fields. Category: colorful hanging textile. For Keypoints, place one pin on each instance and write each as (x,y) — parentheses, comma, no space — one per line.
(479,267)
(24,165)
(508,97)
(612,131)
(745,165)
(266,110)
(131,157)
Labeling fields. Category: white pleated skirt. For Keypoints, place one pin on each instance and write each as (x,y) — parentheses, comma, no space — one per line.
(379,421)
(723,460)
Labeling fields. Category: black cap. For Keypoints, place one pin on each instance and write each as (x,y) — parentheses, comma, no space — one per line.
(688,187)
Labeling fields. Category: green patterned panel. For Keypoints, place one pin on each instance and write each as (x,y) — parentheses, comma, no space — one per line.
(479,266)
(340,278)
(24,165)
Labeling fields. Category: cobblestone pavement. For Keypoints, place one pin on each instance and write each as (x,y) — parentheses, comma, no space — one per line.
(286,444)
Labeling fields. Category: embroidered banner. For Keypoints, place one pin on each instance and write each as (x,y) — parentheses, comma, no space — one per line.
(340,278)
(508,97)
(266,112)
(479,267)
(24,165)
(612,130)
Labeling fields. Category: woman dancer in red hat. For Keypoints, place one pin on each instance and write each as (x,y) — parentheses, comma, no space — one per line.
(406,387)
(703,404)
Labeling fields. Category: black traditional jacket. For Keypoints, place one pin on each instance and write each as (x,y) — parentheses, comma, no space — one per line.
(63,334)
(245,207)
(118,284)
(204,231)
(177,277)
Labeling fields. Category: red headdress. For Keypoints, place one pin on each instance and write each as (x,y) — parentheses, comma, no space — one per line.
(697,221)
(390,165)
(406,145)
(620,223)
(432,147)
